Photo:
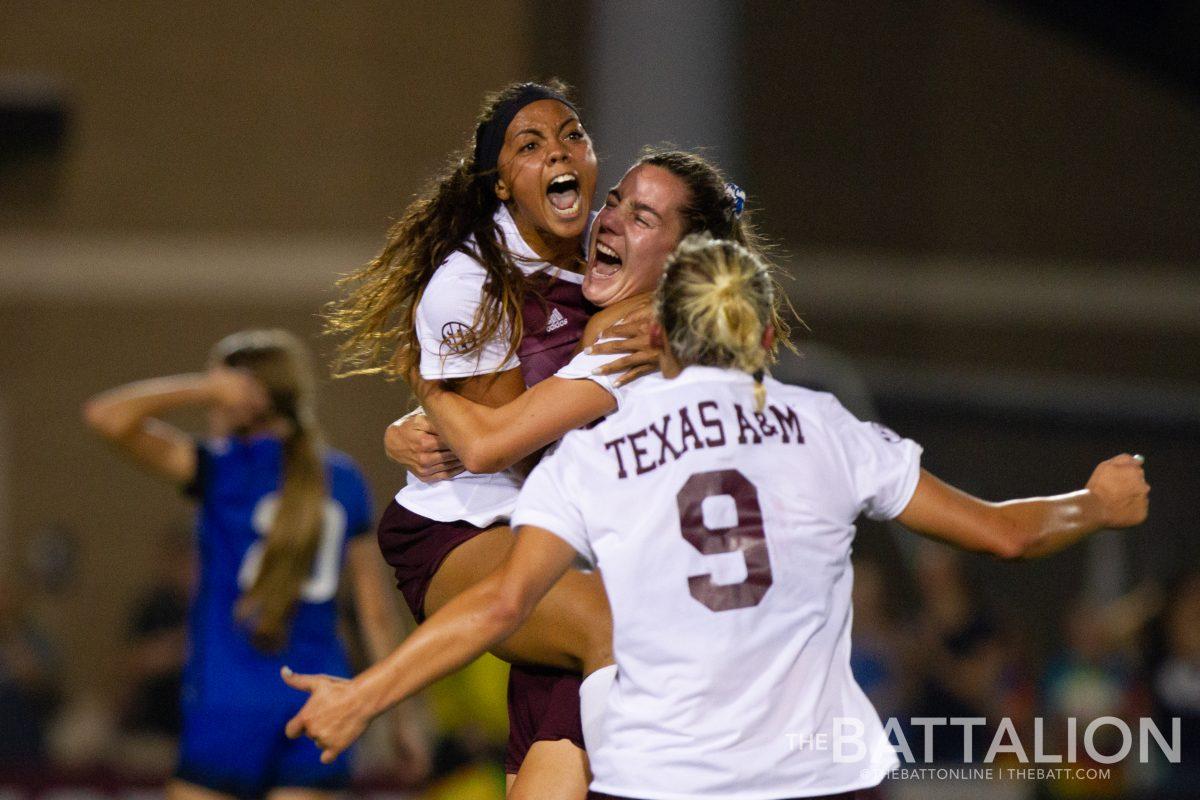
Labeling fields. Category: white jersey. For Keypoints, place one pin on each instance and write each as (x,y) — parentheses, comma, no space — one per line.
(445,319)
(723,537)
(583,367)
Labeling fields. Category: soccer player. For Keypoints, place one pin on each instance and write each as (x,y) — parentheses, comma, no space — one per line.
(280,516)
(479,285)
(719,506)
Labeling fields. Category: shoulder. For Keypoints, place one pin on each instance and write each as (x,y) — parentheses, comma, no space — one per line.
(453,293)
(628,406)
(339,462)
(343,469)
(802,397)
(607,317)
(569,448)
(459,266)
(604,318)
(348,488)
(232,449)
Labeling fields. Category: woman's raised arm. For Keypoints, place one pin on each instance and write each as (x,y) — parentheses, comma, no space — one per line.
(128,415)
(1116,496)
(339,710)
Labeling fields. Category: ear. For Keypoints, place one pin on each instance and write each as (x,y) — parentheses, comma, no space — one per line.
(768,339)
(503,193)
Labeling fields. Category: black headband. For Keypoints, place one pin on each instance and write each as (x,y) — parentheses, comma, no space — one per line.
(489,136)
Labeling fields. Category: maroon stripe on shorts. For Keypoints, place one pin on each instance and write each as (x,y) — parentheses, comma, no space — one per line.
(415,547)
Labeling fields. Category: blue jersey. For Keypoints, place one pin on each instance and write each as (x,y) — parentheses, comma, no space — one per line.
(237,483)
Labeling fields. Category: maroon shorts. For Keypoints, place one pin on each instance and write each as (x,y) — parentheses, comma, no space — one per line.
(861,794)
(415,547)
(543,706)
(543,703)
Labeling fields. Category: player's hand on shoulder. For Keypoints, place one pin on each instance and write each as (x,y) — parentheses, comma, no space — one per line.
(333,717)
(413,442)
(1120,485)
(630,336)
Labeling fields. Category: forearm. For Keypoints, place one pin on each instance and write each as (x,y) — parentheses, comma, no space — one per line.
(119,413)
(492,439)
(1028,528)
(469,428)
(453,637)
(1043,526)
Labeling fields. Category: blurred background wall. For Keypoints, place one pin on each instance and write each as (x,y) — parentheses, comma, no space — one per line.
(989,209)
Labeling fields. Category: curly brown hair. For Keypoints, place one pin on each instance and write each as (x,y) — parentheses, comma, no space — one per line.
(376,315)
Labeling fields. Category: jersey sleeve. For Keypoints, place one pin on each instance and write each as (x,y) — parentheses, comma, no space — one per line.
(884,467)
(583,367)
(445,324)
(197,487)
(360,515)
(549,499)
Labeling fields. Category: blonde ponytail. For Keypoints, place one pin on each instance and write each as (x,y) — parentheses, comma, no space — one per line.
(716,302)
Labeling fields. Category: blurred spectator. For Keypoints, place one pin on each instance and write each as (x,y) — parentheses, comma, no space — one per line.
(1175,685)
(882,654)
(150,716)
(1094,676)
(968,668)
(29,685)
(158,643)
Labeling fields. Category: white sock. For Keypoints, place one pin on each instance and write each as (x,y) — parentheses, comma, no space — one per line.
(593,697)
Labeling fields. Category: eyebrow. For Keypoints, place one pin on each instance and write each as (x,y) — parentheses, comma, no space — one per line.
(647,209)
(538,133)
(533,131)
(616,195)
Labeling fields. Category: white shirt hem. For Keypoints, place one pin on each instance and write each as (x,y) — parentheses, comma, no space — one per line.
(781,794)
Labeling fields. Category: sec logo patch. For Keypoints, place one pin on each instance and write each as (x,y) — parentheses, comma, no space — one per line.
(457,338)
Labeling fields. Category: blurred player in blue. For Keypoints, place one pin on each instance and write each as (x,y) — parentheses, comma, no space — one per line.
(279,516)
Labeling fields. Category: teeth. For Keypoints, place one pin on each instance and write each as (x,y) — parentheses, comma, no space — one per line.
(606,250)
(562,179)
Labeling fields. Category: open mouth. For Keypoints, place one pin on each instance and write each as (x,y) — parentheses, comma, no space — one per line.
(563,194)
(606,262)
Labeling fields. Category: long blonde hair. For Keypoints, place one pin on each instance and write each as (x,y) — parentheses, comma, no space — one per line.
(715,303)
(281,363)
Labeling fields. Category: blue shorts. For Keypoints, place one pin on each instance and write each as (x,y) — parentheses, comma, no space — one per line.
(242,751)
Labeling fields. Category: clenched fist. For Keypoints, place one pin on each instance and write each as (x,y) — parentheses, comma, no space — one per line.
(1120,485)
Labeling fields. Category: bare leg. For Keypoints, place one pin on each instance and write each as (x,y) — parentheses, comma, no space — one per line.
(571,628)
(300,793)
(182,790)
(555,770)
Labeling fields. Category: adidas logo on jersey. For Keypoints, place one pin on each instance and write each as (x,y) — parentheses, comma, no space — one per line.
(556,321)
